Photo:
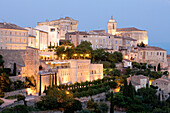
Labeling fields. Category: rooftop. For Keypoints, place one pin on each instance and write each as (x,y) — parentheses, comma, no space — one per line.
(135,80)
(126,38)
(10,26)
(151,48)
(128,29)
(89,33)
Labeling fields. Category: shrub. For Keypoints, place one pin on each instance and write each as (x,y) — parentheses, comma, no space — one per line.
(16,109)
(2,94)
(1,102)
(11,97)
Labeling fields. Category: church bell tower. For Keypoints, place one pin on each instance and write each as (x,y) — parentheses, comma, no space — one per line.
(111,26)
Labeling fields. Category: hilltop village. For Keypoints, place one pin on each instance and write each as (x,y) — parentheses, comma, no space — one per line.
(54,60)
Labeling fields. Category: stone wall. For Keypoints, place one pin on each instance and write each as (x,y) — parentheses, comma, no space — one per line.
(17,92)
(27,61)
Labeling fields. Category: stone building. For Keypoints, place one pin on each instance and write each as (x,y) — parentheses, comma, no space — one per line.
(139,35)
(13,36)
(163,83)
(32,41)
(138,81)
(27,61)
(53,35)
(37,38)
(70,71)
(63,25)
(150,55)
(97,39)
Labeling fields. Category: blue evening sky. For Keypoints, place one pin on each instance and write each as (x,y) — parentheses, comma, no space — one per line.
(150,15)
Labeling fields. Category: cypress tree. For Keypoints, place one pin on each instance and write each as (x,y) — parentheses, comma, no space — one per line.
(55,79)
(131,91)
(125,88)
(15,70)
(111,103)
(52,80)
(40,87)
(159,67)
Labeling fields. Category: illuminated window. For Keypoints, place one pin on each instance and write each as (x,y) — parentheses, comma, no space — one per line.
(1,40)
(1,32)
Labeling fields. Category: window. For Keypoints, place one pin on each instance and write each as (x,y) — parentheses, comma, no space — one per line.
(157,53)
(115,41)
(151,53)
(120,42)
(1,40)
(109,37)
(96,41)
(52,29)
(115,47)
(1,32)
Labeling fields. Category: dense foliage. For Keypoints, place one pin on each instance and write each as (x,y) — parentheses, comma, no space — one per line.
(144,101)
(59,99)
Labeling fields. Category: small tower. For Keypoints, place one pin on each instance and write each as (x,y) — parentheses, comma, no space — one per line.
(111,26)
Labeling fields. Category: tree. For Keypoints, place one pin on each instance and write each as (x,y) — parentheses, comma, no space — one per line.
(48,102)
(131,91)
(15,70)
(30,82)
(75,106)
(21,97)
(5,82)
(91,92)
(111,103)
(40,86)
(60,51)
(125,88)
(55,79)
(159,67)
(1,61)
(141,44)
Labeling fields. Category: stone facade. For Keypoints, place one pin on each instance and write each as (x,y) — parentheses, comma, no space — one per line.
(164,84)
(17,92)
(138,81)
(150,55)
(13,36)
(97,39)
(70,71)
(27,61)
(63,26)
(137,34)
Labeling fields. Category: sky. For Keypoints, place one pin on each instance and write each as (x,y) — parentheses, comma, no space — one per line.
(150,15)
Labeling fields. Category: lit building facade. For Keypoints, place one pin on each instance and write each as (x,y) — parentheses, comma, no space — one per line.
(53,35)
(139,35)
(70,71)
(97,39)
(13,36)
(37,38)
(63,25)
(149,55)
